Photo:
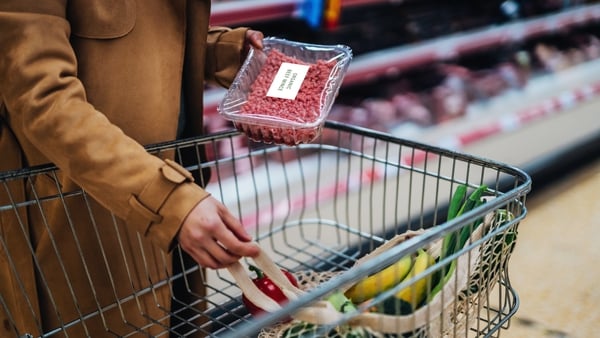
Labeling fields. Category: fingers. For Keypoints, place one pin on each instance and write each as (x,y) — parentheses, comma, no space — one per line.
(234,225)
(234,244)
(255,38)
(214,237)
(211,254)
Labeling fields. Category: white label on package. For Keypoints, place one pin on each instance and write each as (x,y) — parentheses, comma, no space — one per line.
(288,80)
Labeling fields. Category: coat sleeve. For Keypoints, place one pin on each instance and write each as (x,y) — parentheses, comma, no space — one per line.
(46,104)
(223,54)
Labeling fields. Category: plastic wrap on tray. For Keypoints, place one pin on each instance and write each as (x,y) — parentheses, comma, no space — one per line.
(284,92)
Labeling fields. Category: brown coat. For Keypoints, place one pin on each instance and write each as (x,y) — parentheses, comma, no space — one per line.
(83,84)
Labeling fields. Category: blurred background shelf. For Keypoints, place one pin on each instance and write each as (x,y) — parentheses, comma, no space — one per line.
(517,85)
(243,11)
(454,75)
(235,12)
(387,62)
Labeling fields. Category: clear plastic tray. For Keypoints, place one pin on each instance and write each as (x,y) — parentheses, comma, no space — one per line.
(284,92)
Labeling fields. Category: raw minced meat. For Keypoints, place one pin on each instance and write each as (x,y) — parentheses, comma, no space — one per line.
(306,108)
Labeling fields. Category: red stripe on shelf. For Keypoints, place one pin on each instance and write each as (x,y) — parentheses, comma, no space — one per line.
(414,158)
(253,13)
(480,133)
(482,42)
(530,114)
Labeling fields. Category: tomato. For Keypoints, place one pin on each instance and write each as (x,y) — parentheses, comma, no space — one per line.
(269,288)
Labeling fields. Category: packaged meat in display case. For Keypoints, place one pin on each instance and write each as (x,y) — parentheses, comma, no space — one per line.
(284,92)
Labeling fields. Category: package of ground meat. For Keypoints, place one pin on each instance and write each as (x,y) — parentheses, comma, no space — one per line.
(284,92)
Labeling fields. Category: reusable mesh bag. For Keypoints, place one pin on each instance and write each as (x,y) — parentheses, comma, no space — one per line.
(449,313)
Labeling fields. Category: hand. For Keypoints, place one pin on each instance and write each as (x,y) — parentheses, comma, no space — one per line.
(213,237)
(253,39)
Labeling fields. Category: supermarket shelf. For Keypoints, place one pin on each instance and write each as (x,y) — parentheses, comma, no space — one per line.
(396,60)
(533,147)
(520,128)
(498,128)
(354,3)
(374,65)
(545,97)
(236,12)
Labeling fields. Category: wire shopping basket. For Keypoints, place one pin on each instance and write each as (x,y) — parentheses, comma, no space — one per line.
(318,210)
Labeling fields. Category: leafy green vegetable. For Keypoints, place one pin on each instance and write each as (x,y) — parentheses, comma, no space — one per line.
(456,240)
(457,201)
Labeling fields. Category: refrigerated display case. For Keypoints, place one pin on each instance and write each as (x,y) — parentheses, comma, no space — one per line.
(460,75)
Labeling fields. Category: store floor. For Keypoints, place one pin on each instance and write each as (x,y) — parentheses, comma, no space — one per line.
(555,266)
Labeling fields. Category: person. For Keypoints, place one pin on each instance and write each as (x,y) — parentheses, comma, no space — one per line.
(85,84)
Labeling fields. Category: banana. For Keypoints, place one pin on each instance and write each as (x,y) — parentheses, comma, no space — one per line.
(381,281)
(414,294)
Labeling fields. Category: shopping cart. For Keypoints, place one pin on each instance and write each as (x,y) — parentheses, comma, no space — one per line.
(316,209)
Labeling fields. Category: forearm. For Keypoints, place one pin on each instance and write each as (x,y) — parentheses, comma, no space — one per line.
(223,54)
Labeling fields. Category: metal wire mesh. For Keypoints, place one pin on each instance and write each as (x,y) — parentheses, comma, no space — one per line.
(315,207)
